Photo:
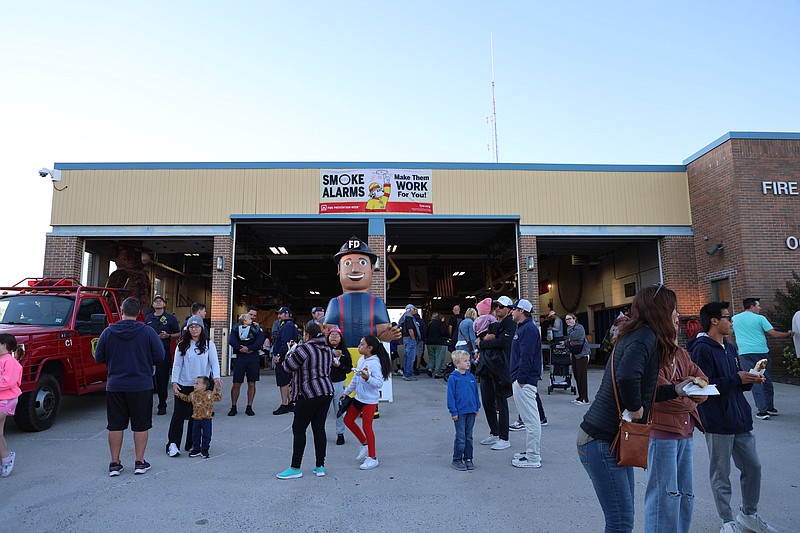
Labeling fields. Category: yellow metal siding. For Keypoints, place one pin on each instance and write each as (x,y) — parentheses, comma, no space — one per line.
(209,197)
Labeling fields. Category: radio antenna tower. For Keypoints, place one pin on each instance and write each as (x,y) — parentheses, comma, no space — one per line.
(494,107)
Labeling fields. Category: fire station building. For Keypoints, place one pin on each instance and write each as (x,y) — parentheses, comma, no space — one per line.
(724,224)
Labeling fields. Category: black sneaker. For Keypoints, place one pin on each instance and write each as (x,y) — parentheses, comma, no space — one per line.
(763,416)
(194,453)
(233,411)
(114,469)
(544,422)
(161,411)
(141,467)
(281,410)
(376,416)
(291,407)
(205,454)
(772,412)
(249,411)
(339,439)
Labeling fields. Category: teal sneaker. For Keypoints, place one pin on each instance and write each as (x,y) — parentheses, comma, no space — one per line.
(319,471)
(290,473)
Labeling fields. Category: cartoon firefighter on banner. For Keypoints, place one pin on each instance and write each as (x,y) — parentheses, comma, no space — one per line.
(379,196)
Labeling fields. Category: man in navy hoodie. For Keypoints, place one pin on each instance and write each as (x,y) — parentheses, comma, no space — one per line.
(129,349)
(526,370)
(728,421)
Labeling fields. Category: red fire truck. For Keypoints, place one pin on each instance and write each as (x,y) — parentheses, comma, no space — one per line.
(57,321)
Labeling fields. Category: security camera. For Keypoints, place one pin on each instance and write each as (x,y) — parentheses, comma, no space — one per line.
(55,175)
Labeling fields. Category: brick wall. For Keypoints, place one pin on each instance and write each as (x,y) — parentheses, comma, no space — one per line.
(63,257)
(728,206)
(377,243)
(529,279)
(680,272)
(220,305)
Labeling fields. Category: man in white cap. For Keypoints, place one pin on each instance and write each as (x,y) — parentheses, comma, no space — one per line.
(526,371)
(556,327)
(500,342)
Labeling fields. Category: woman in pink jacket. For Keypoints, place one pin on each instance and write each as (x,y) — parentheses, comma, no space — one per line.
(10,380)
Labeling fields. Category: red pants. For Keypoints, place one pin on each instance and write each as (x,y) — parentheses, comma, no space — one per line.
(367,436)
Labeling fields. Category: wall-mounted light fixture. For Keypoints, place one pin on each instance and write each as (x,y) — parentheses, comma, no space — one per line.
(220,263)
(713,250)
(530,262)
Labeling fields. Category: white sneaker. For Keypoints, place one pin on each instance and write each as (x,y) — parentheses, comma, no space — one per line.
(491,439)
(524,462)
(501,445)
(753,522)
(520,455)
(173,450)
(369,463)
(362,452)
(730,527)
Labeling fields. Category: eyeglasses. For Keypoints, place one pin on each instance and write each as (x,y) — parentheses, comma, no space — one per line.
(570,318)
(729,318)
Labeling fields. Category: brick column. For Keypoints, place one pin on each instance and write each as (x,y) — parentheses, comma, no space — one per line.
(680,272)
(377,244)
(529,279)
(63,257)
(221,292)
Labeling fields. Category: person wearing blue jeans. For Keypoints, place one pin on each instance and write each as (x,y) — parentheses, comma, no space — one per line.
(669,497)
(408,326)
(463,403)
(613,484)
(751,329)
(763,393)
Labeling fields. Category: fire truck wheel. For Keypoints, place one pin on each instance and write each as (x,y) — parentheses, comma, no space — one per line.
(37,410)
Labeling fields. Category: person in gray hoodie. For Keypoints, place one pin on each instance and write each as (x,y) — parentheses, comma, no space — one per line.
(130,349)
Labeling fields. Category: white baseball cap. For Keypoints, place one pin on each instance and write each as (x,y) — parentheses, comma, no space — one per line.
(505,301)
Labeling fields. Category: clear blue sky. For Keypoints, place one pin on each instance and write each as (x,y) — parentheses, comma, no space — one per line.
(576,82)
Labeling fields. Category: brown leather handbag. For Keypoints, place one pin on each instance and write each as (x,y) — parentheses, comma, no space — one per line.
(633,438)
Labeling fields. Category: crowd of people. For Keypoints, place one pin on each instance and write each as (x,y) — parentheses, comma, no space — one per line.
(496,354)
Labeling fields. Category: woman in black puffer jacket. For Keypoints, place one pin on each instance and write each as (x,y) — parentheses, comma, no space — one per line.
(648,335)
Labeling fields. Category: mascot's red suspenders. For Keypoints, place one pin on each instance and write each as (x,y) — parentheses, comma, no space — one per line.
(372,330)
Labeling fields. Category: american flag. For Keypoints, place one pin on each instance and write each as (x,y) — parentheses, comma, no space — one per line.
(444,282)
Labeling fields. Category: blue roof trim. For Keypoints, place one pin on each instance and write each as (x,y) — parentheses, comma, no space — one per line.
(605,231)
(141,231)
(767,136)
(354,165)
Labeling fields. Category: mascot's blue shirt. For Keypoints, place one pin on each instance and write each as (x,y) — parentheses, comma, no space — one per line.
(357,314)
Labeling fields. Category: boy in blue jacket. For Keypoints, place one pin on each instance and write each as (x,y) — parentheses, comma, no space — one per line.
(728,421)
(463,404)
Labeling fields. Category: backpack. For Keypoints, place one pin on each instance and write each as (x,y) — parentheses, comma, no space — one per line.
(451,344)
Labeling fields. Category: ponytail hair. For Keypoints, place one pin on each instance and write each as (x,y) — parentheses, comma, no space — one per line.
(10,342)
(380,351)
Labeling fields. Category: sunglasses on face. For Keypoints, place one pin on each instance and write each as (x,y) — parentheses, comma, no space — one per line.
(729,318)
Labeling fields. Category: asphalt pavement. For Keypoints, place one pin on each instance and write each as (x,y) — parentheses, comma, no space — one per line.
(61,483)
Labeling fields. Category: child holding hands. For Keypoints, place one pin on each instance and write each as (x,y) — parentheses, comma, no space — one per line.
(463,404)
(10,380)
(202,399)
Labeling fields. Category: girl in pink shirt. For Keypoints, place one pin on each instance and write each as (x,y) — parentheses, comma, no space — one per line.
(10,380)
